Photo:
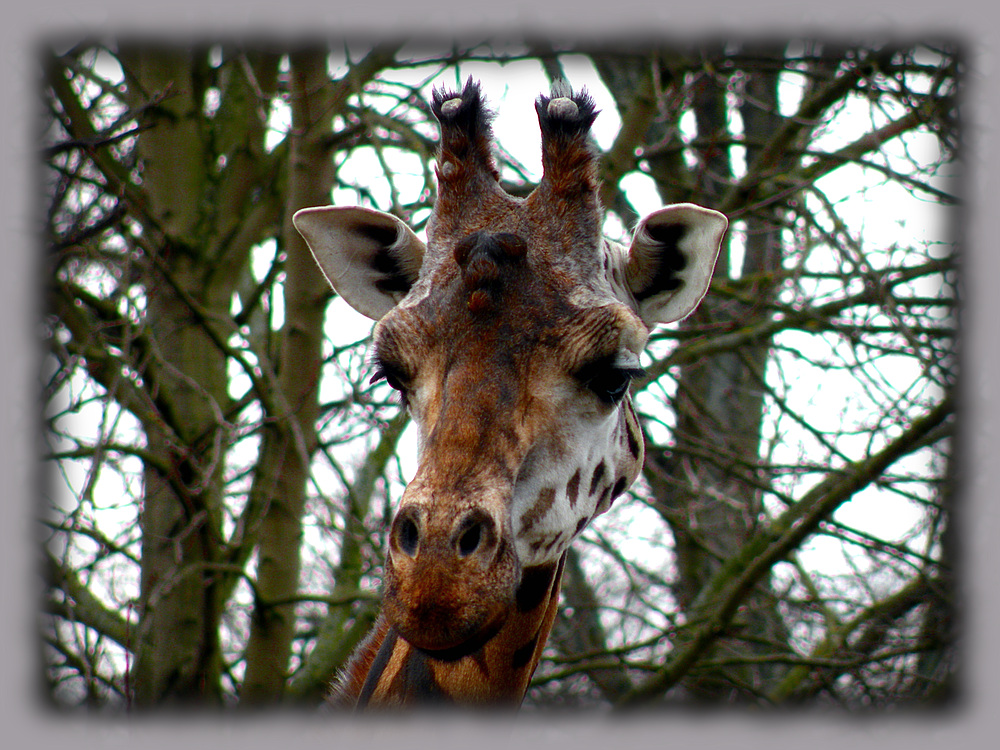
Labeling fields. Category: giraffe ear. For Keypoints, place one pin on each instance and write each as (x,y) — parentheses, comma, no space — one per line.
(672,259)
(370,258)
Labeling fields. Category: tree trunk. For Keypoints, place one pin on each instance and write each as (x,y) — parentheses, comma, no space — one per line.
(290,440)
(177,656)
(707,485)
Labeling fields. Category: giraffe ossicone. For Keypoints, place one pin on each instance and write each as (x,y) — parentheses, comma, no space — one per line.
(562,106)
(452,105)
(513,334)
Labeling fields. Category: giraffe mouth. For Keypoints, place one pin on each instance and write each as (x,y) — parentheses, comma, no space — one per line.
(463,649)
(445,624)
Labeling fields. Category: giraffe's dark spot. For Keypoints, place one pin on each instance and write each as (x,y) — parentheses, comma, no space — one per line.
(522,657)
(537,511)
(602,503)
(534,588)
(557,539)
(596,479)
(416,680)
(378,667)
(573,488)
(619,488)
(631,434)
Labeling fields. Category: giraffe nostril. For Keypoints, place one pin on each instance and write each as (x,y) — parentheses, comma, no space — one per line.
(406,534)
(408,537)
(475,534)
(469,541)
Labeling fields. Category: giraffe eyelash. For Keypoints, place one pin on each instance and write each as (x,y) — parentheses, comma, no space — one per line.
(608,380)
(393,376)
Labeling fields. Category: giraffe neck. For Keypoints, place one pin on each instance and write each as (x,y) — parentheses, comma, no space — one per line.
(387,671)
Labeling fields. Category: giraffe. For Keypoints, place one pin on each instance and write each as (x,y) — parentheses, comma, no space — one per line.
(512,335)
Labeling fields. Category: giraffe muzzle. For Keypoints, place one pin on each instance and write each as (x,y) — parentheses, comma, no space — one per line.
(450,578)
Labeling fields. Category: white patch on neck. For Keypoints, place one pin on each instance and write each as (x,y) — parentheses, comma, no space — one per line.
(543,518)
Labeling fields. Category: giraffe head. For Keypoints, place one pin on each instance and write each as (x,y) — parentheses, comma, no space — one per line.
(513,335)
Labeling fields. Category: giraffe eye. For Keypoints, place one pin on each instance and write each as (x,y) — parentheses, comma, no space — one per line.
(607,379)
(388,377)
(391,374)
